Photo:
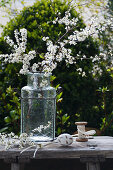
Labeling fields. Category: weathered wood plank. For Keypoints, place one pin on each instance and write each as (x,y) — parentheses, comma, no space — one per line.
(101,146)
(92,166)
(92,162)
(15,166)
(92,158)
(91,153)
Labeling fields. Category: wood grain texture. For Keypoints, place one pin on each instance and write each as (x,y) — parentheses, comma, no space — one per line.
(97,146)
(93,166)
(15,166)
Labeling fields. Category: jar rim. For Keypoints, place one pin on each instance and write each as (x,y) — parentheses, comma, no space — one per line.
(37,73)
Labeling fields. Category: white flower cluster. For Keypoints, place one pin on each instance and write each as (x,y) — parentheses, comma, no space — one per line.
(69,23)
(43,83)
(41,128)
(98,18)
(11,140)
(19,49)
(7,140)
(23,141)
(94,13)
(57,52)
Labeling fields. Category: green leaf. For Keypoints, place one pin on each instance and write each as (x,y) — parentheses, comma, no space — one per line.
(41,56)
(52,78)
(3,129)
(59,96)
(12,113)
(59,130)
(9,90)
(7,119)
(22,2)
(16,117)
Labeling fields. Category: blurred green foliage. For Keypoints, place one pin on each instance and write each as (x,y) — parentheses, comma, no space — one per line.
(3,3)
(10,108)
(107,106)
(79,99)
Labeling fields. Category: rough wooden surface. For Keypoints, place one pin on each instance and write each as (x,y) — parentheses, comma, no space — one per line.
(15,166)
(93,166)
(97,146)
(92,153)
(92,162)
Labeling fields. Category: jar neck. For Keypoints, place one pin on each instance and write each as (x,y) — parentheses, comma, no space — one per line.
(38,80)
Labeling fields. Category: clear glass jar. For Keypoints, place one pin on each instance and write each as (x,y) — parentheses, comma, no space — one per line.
(38,108)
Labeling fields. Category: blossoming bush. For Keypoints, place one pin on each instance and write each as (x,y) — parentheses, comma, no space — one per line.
(56,34)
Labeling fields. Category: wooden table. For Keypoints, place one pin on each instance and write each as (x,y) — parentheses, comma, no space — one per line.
(92,153)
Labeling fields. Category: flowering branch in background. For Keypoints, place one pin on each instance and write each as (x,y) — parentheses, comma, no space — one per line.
(58,51)
(98,15)
(18,55)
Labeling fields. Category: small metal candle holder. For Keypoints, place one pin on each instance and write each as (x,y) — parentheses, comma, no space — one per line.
(81,132)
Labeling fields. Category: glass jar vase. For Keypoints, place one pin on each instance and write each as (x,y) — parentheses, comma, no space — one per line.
(38,108)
